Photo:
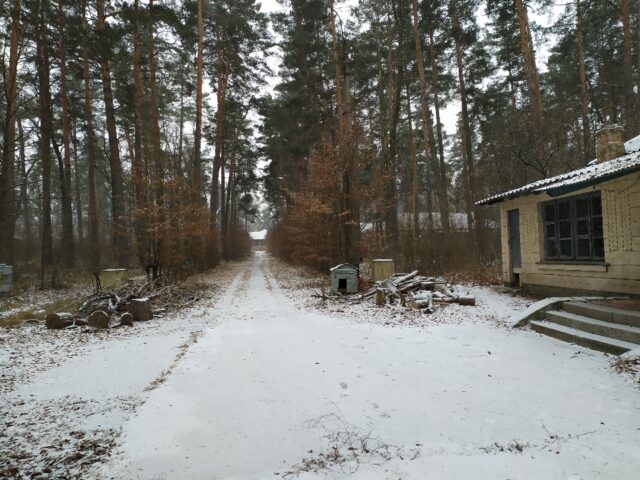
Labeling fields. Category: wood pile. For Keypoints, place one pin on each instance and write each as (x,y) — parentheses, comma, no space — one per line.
(415,291)
(135,301)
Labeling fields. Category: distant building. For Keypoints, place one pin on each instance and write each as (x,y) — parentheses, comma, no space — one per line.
(579,231)
(457,220)
(258,239)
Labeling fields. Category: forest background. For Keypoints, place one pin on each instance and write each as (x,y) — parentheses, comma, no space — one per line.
(155,133)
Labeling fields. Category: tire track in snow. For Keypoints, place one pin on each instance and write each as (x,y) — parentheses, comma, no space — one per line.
(229,294)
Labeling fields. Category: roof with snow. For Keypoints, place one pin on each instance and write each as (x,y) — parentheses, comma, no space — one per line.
(343,266)
(592,174)
(261,235)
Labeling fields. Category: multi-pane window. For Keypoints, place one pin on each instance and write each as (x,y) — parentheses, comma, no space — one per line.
(573,228)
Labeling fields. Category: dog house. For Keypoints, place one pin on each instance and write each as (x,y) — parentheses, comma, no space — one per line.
(344,278)
(6,277)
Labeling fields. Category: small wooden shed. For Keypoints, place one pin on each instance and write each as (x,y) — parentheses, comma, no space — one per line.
(344,278)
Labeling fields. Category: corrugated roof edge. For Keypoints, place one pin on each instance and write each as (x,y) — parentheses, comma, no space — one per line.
(580,178)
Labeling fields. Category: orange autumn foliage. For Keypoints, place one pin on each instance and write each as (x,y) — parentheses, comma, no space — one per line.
(312,232)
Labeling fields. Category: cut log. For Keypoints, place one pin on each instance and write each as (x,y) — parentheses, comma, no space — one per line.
(140,308)
(57,321)
(407,287)
(404,278)
(468,300)
(98,319)
(464,300)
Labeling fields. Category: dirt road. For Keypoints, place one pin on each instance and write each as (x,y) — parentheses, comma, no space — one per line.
(270,391)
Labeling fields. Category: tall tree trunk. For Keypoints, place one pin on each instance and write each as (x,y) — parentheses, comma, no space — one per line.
(352,217)
(229,212)
(348,223)
(383,103)
(118,227)
(137,166)
(197,146)
(7,181)
(338,75)
(396,93)
(465,129)
(24,195)
(76,170)
(444,184)
(223,211)
(584,95)
(65,171)
(44,96)
(179,162)
(156,152)
(629,100)
(388,161)
(223,77)
(414,180)
(94,220)
(529,57)
(425,114)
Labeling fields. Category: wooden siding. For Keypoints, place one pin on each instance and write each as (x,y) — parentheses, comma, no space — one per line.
(621,217)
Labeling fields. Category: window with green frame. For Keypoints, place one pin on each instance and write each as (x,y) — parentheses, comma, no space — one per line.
(573,229)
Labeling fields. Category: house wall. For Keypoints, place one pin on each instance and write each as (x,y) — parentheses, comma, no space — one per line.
(620,272)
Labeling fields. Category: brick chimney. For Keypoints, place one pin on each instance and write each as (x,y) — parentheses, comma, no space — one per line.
(610,143)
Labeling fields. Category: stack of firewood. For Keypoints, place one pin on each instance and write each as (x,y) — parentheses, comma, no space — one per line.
(137,300)
(415,291)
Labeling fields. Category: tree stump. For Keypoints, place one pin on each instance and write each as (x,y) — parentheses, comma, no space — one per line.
(380,298)
(140,308)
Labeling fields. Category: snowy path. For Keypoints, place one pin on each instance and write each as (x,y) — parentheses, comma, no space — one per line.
(271,391)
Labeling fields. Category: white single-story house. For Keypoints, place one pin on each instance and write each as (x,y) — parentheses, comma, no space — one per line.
(258,239)
(578,232)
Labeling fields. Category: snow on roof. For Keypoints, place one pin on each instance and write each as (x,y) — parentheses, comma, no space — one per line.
(576,179)
(261,235)
(338,267)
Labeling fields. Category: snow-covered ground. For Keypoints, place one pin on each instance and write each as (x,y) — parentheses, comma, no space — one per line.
(305,290)
(257,387)
(65,394)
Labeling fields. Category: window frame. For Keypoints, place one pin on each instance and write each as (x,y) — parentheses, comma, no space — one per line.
(566,248)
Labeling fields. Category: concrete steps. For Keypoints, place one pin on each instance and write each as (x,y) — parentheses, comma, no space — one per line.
(604,313)
(599,327)
(584,339)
